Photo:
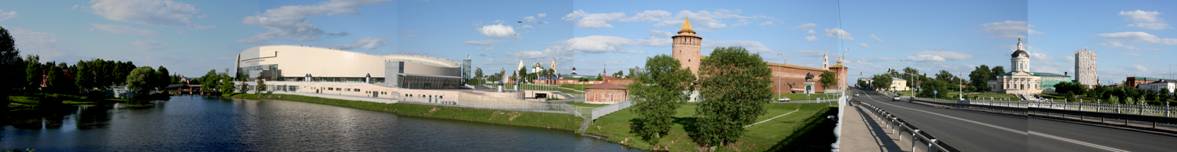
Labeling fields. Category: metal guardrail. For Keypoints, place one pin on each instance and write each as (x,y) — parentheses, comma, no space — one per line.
(897,125)
(1161,118)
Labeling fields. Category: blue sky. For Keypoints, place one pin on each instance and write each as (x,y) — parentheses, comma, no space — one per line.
(1131,38)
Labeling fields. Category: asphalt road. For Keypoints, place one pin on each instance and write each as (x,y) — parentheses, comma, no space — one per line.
(970,131)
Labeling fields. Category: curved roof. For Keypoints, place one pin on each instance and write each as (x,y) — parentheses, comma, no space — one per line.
(402,57)
(1015,54)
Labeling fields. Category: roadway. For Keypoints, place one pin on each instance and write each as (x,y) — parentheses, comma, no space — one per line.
(969,130)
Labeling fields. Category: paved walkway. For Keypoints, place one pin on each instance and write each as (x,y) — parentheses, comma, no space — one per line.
(862,133)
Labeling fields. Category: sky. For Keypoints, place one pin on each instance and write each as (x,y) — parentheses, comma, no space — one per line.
(1130,37)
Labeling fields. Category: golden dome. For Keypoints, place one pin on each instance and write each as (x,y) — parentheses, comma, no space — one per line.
(686,26)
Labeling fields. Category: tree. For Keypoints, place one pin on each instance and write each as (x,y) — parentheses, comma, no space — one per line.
(950,81)
(225,86)
(735,85)
(478,77)
(34,73)
(882,82)
(618,74)
(139,81)
(863,85)
(997,70)
(979,78)
(827,79)
(261,86)
(162,78)
(656,94)
(10,62)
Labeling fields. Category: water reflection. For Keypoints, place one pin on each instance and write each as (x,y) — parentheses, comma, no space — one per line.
(192,123)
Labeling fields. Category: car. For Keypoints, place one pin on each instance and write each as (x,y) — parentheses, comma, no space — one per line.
(896,98)
(783,99)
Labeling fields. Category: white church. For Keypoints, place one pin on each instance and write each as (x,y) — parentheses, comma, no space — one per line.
(1020,81)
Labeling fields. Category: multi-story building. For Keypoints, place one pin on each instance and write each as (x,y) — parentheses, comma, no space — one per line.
(1085,72)
(1167,86)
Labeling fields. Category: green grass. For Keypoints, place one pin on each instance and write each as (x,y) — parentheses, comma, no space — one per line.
(615,127)
(546,87)
(579,87)
(555,121)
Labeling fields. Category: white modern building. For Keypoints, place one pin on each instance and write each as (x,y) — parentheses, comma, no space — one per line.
(1085,72)
(1163,85)
(302,63)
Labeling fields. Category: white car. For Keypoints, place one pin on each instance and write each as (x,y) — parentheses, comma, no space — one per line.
(783,99)
(897,98)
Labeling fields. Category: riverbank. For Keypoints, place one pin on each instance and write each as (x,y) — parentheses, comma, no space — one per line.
(554,121)
(780,125)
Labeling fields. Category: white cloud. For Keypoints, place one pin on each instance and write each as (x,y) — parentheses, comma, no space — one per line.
(875,37)
(839,33)
(6,15)
(366,43)
(497,30)
(118,29)
(530,21)
(702,18)
(291,21)
(1037,55)
(163,12)
(1008,28)
(939,56)
(651,15)
(1122,39)
(751,46)
(1144,19)
(863,45)
(807,26)
(1140,68)
(597,43)
(810,33)
(147,44)
(593,20)
(39,43)
(480,42)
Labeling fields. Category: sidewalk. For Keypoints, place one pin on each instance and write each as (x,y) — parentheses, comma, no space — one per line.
(861,133)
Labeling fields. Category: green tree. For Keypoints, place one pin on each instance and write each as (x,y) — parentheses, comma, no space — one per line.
(656,95)
(162,78)
(209,82)
(479,77)
(10,63)
(34,73)
(863,85)
(735,85)
(261,86)
(618,74)
(225,86)
(997,71)
(979,78)
(139,81)
(882,82)
(827,79)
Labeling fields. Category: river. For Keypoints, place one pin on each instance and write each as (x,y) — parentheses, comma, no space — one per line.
(194,123)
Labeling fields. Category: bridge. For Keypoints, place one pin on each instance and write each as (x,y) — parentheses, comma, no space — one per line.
(966,126)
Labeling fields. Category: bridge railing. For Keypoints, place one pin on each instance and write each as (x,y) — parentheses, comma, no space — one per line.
(1158,118)
(899,126)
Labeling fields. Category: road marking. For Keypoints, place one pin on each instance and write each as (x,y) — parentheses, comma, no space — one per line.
(777,116)
(1073,141)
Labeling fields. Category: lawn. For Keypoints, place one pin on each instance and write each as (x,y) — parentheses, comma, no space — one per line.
(579,87)
(615,127)
(556,121)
